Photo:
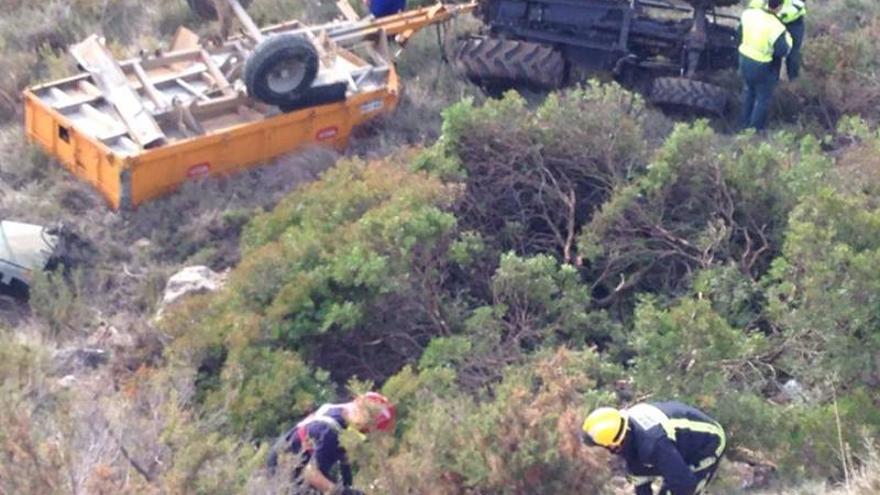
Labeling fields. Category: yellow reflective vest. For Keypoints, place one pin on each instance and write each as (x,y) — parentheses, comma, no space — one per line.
(792,10)
(760,30)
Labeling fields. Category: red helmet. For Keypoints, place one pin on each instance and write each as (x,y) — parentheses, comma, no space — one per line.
(385,415)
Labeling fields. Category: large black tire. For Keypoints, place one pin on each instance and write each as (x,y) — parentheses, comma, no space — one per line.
(280,69)
(510,63)
(682,94)
(206,10)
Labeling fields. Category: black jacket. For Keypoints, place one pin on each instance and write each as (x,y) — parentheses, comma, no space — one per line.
(673,441)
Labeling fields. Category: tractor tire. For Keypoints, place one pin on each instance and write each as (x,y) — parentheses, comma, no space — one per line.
(206,9)
(280,69)
(689,95)
(509,63)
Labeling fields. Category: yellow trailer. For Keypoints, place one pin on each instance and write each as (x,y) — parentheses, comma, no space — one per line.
(140,128)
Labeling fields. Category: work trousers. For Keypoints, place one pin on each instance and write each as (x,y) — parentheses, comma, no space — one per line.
(759,81)
(705,476)
(798,31)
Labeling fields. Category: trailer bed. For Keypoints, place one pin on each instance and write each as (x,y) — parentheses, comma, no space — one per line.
(139,128)
(205,123)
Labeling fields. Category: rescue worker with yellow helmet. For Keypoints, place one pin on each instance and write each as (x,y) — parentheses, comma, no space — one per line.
(668,440)
(764,43)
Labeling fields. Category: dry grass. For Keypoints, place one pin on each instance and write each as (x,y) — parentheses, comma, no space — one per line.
(430,85)
(865,480)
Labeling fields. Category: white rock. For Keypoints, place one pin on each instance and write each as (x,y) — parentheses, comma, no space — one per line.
(67,382)
(190,280)
(142,243)
(794,391)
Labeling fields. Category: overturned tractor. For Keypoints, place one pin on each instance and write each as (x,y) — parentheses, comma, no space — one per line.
(666,50)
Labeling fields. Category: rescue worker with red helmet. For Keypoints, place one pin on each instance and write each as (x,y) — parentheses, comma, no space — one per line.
(668,440)
(314,443)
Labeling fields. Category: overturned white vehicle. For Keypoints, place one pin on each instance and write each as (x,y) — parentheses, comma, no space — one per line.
(24,249)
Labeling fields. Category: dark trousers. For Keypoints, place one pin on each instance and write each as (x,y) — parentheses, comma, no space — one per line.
(759,81)
(704,476)
(798,31)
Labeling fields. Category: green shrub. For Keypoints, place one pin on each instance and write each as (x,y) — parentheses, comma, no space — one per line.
(520,437)
(343,263)
(533,177)
(825,289)
(690,352)
(263,390)
(705,201)
(536,302)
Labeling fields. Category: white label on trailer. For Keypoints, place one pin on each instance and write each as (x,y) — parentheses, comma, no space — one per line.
(371,106)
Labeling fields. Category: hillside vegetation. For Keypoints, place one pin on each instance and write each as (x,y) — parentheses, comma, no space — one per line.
(497,267)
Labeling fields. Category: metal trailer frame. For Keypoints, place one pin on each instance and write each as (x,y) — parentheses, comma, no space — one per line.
(140,128)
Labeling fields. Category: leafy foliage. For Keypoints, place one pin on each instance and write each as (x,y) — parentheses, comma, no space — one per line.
(320,276)
(689,351)
(520,437)
(826,291)
(535,302)
(532,178)
(704,202)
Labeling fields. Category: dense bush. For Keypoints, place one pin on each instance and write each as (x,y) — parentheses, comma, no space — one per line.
(826,291)
(519,437)
(533,177)
(841,59)
(535,303)
(347,272)
(704,201)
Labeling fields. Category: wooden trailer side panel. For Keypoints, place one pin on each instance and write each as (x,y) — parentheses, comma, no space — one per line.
(85,157)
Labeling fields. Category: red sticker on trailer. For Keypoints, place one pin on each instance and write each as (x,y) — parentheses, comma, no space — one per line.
(327,133)
(199,170)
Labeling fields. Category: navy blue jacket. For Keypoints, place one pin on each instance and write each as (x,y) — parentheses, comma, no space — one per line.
(321,444)
(673,441)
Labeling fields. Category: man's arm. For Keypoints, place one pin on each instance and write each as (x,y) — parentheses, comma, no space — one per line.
(782,46)
(677,476)
(316,479)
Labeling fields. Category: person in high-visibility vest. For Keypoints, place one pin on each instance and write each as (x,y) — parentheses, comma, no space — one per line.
(669,440)
(764,43)
(316,449)
(792,15)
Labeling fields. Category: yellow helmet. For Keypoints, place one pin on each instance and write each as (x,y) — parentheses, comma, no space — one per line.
(605,427)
